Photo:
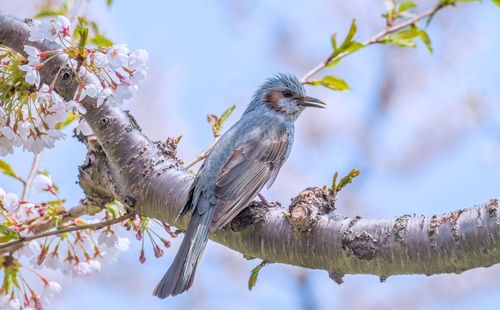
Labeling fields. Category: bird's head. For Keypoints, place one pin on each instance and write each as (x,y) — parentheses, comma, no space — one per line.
(283,94)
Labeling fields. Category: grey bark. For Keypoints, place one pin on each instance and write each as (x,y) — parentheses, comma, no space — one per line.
(147,177)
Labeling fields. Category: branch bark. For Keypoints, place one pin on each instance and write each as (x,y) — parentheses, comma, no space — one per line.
(147,176)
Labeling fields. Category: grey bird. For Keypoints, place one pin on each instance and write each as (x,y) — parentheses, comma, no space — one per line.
(247,157)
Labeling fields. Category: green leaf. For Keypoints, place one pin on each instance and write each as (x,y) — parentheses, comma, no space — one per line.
(225,115)
(334,41)
(334,181)
(400,42)
(8,234)
(5,168)
(405,6)
(47,11)
(333,63)
(347,179)
(109,2)
(332,82)
(71,117)
(84,35)
(406,34)
(101,41)
(216,122)
(254,274)
(347,41)
(351,33)
(496,2)
(426,40)
(354,46)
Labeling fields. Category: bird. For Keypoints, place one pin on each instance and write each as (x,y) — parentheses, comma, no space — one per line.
(245,158)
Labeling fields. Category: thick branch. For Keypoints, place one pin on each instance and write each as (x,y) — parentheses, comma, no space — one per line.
(146,176)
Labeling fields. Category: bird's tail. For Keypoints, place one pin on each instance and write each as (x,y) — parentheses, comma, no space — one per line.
(179,276)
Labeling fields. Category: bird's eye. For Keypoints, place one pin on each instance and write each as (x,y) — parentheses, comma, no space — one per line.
(287,94)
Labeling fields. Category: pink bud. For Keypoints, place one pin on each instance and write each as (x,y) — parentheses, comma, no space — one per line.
(158,251)
(138,236)
(166,243)
(142,258)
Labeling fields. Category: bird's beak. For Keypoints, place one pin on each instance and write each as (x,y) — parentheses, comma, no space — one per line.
(311,102)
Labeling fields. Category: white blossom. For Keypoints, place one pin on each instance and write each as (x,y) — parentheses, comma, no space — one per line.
(43,182)
(55,29)
(118,55)
(83,128)
(97,59)
(138,59)
(90,90)
(6,146)
(10,303)
(13,137)
(67,267)
(74,105)
(33,55)
(108,238)
(103,96)
(52,261)
(95,265)
(32,75)
(54,287)
(10,201)
(81,269)
(29,249)
(123,244)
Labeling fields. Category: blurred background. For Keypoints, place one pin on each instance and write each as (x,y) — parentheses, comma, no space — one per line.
(422,128)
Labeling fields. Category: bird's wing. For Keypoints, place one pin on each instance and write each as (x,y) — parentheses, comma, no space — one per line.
(250,166)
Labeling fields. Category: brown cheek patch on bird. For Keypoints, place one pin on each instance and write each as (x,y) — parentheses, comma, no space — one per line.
(272,100)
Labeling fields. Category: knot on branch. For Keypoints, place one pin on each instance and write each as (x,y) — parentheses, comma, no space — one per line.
(63,78)
(253,214)
(492,208)
(363,246)
(400,228)
(95,176)
(308,206)
(169,149)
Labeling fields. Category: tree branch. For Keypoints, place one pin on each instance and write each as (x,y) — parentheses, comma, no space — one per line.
(375,39)
(84,208)
(25,239)
(147,177)
(31,177)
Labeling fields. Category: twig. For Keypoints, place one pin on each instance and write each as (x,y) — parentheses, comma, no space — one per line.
(375,39)
(31,176)
(67,229)
(202,155)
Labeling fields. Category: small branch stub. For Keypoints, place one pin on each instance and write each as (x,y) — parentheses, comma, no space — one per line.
(308,206)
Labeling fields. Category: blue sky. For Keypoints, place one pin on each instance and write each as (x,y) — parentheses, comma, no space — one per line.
(206,56)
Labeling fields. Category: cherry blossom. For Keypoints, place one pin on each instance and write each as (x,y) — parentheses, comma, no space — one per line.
(54,287)
(108,238)
(56,29)
(32,74)
(118,55)
(81,269)
(97,59)
(9,201)
(52,261)
(43,182)
(83,128)
(34,55)
(10,303)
